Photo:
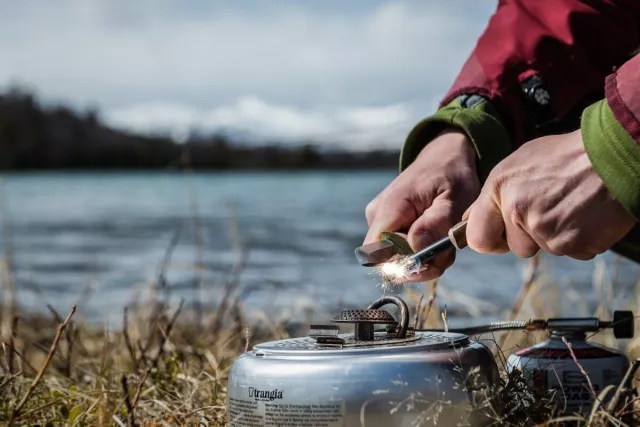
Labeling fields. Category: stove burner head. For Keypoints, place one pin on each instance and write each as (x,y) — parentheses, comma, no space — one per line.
(365,319)
(351,315)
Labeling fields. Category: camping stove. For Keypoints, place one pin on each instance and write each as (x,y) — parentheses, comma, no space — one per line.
(382,374)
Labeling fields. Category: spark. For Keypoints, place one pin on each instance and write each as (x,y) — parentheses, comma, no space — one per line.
(393,270)
(395,273)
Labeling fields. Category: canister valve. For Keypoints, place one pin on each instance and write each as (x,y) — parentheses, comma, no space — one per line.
(623,325)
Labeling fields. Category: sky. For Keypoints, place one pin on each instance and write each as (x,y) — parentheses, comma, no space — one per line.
(358,73)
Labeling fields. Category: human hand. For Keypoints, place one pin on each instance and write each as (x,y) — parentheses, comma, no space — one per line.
(428,198)
(547,196)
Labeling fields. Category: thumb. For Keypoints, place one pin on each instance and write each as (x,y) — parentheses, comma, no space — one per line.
(486,232)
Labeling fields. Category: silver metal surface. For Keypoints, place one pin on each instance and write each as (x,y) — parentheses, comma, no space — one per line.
(424,256)
(441,379)
(381,344)
(582,324)
(323,330)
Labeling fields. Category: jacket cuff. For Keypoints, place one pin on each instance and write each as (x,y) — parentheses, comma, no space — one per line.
(479,121)
(614,154)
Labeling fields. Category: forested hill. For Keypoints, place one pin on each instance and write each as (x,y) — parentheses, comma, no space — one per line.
(34,137)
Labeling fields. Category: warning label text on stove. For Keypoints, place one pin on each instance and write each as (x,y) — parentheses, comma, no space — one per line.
(251,413)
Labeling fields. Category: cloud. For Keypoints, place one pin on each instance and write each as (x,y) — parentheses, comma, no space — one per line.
(358,127)
(286,69)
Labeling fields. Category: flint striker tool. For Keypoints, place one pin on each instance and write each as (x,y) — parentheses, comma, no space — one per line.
(386,249)
(456,238)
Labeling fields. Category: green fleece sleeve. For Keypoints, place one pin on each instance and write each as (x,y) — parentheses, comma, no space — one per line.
(615,155)
(480,122)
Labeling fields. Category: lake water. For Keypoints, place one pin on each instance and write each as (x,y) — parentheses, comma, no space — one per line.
(109,233)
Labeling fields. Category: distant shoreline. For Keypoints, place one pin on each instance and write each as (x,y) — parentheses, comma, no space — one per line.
(38,138)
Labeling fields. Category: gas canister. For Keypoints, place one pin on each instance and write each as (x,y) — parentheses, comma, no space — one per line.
(574,370)
(378,377)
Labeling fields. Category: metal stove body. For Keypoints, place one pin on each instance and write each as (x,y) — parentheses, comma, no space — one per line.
(390,377)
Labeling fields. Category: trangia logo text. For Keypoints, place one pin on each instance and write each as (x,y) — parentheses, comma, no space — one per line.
(270,395)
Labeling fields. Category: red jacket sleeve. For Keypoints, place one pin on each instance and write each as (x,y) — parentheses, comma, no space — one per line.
(622,90)
(570,45)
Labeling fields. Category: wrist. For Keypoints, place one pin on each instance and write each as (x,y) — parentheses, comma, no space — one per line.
(455,142)
(476,119)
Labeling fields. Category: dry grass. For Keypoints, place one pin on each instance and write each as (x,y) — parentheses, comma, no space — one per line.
(161,368)
(165,368)
(157,369)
